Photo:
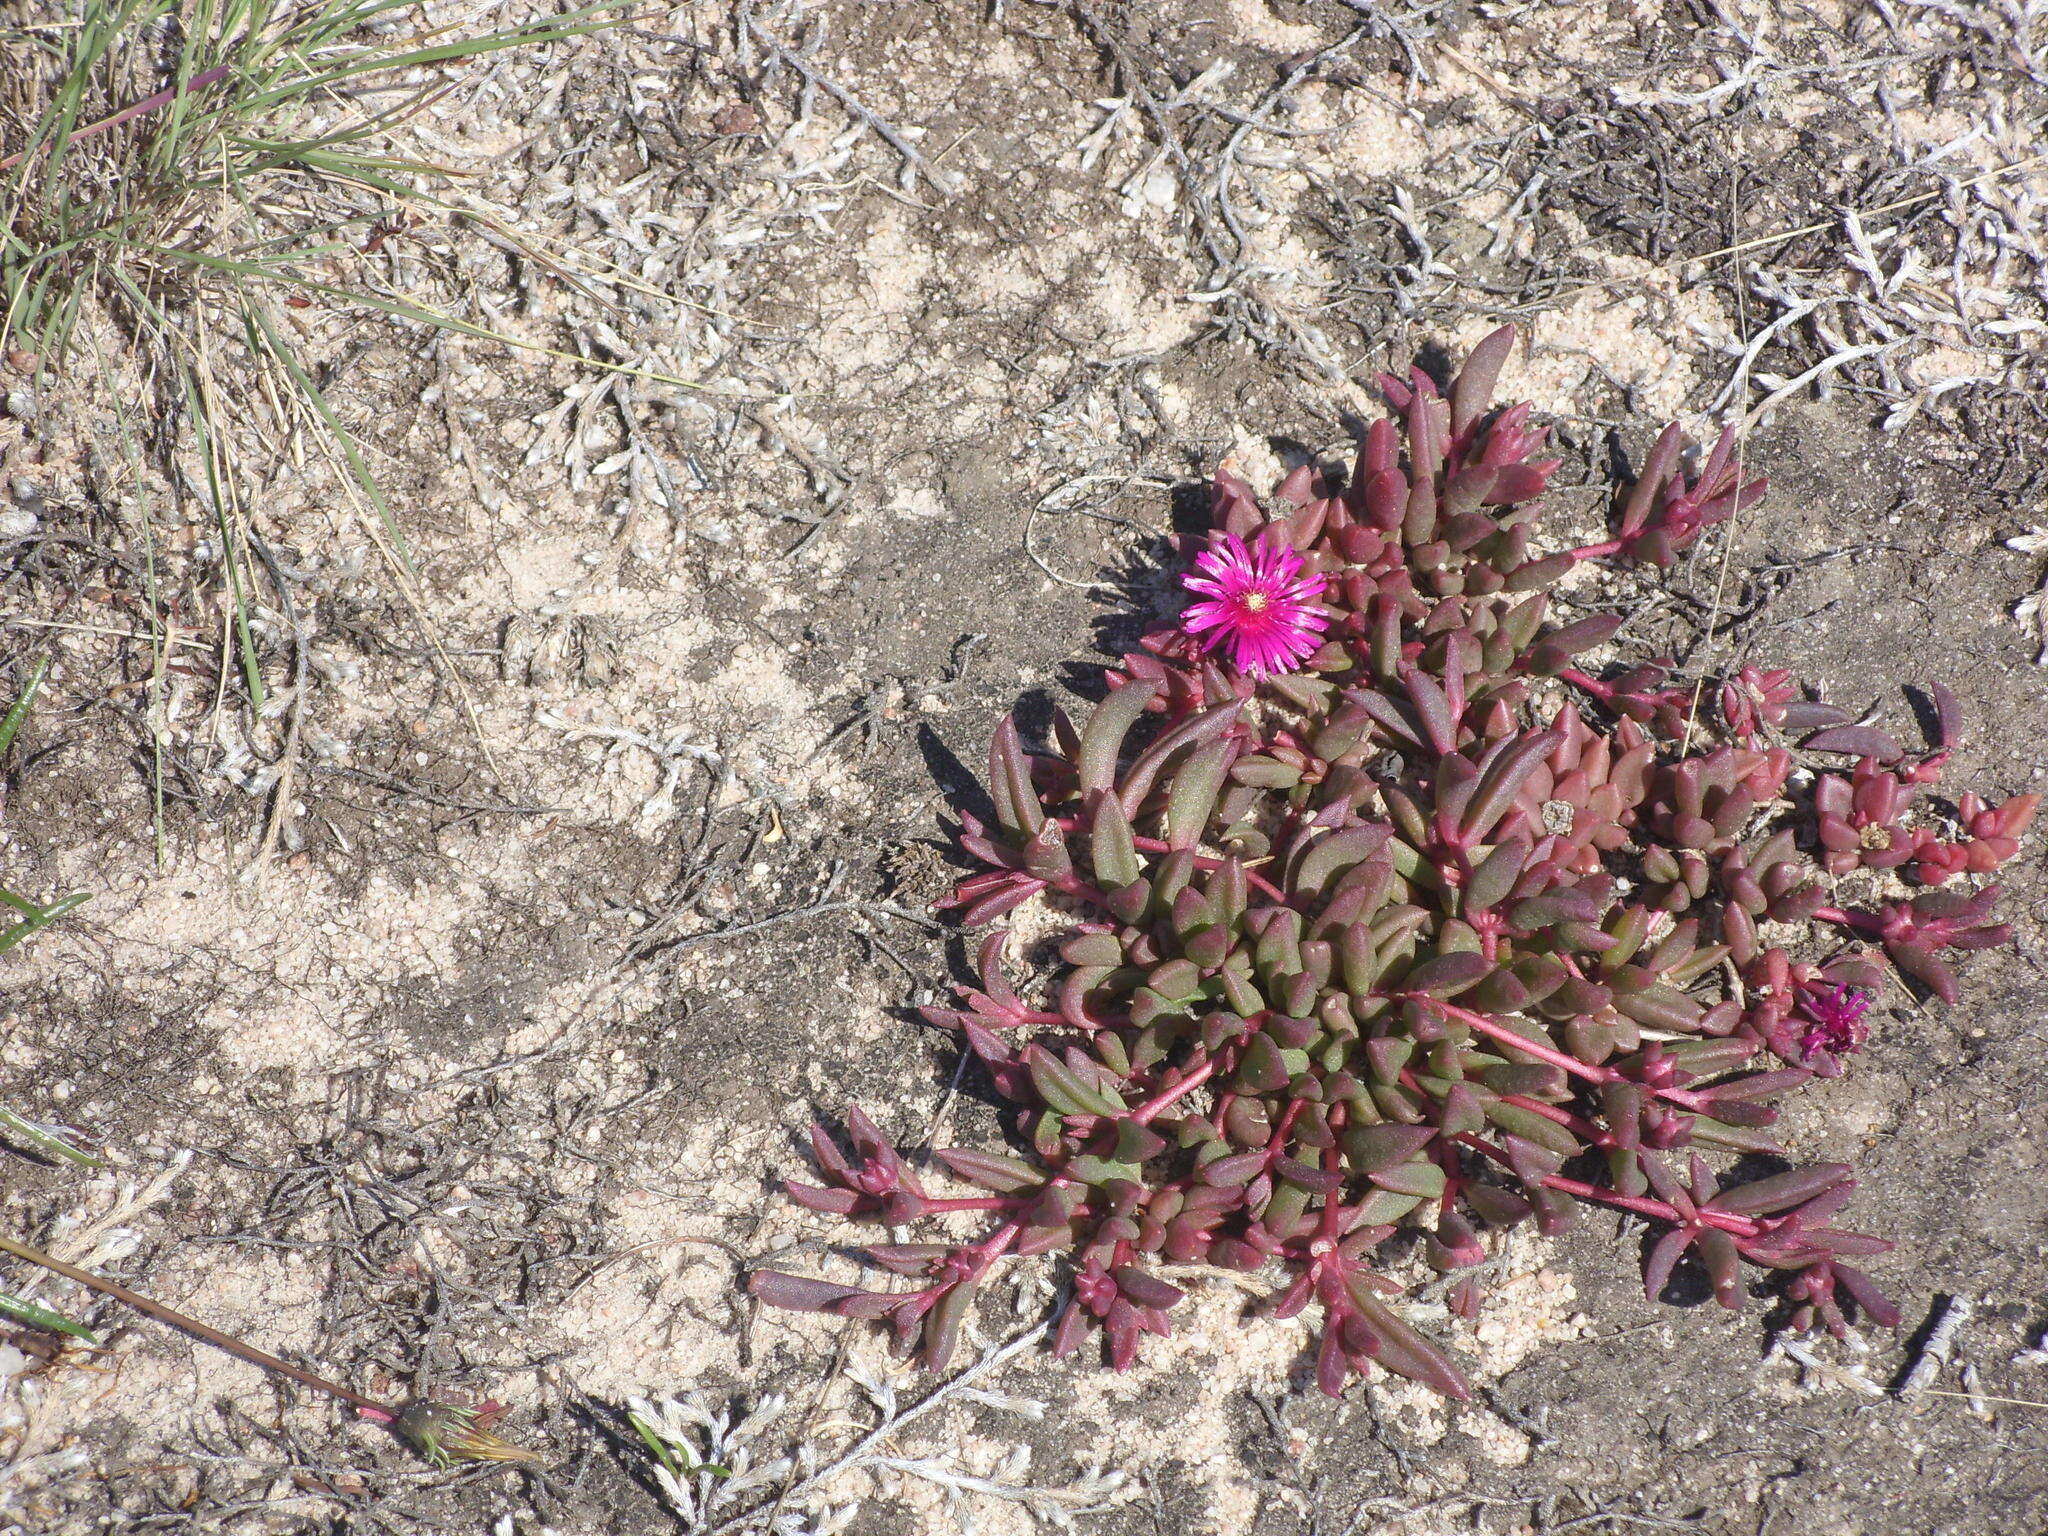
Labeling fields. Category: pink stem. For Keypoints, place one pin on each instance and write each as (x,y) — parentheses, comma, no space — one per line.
(1657,1210)
(1222,1109)
(1276,1148)
(1684,1098)
(1585,1129)
(1287,1118)
(1145,1113)
(998,1243)
(198,82)
(1506,1036)
(1592,685)
(1333,1208)
(1202,861)
(1598,551)
(1741,1226)
(1080,890)
(1865,921)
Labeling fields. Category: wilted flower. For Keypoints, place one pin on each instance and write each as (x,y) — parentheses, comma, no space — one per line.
(1260,605)
(1834,1020)
(446,1434)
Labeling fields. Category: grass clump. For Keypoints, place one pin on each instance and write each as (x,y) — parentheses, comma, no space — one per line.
(191,191)
(173,161)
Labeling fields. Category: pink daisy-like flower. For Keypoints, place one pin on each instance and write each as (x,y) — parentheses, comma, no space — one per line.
(1259,605)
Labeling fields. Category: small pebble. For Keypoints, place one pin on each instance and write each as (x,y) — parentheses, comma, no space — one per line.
(735,118)
(18,523)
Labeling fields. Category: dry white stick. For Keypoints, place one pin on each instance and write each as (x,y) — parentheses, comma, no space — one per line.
(944,180)
(865,1451)
(1852,1378)
(2034,1354)
(1940,1345)
(1818,371)
(1973,1384)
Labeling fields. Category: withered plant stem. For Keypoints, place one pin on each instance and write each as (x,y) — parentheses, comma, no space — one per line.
(383,1412)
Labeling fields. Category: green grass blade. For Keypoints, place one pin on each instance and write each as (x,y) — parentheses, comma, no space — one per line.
(655,1444)
(168,141)
(46,1141)
(577,23)
(34,918)
(344,440)
(12,722)
(230,557)
(42,1317)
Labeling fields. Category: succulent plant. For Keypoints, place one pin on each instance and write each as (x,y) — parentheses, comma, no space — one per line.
(1380,913)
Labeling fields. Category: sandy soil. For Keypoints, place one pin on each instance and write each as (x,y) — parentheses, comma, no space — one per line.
(447,1026)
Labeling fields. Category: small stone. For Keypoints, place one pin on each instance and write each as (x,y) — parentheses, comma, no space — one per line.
(18,523)
(735,118)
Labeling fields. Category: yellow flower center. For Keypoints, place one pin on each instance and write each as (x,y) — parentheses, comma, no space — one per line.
(1255,602)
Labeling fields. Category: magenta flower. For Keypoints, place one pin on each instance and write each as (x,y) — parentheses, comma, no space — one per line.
(1259,605)
(1833,1017)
